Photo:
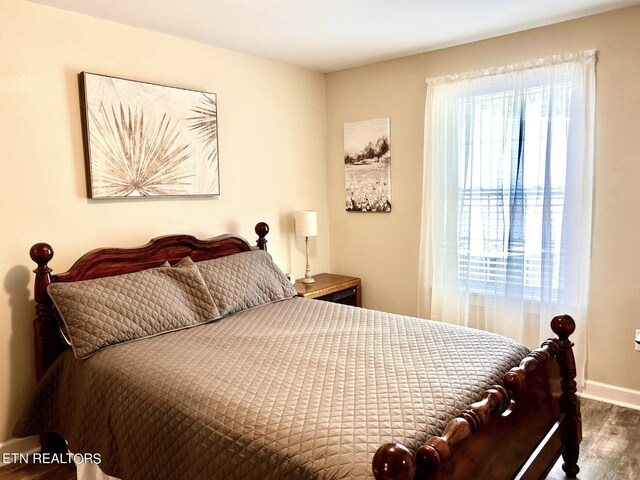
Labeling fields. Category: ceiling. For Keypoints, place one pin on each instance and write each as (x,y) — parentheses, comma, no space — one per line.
(330,35)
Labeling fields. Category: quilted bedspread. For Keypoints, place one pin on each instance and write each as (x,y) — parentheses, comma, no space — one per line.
(298,389)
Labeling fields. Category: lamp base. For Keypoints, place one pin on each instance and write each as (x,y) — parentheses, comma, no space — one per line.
(309,280)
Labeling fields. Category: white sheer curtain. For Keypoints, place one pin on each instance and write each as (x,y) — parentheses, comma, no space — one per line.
(506,231)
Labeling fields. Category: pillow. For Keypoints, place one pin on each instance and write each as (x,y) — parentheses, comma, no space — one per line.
(63,328)
(244,280)
(110,310)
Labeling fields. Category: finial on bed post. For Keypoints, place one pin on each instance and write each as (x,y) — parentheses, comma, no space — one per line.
(571,426)
(393,461)
(262,229)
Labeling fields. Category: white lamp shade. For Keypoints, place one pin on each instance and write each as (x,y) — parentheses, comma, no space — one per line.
(306,223)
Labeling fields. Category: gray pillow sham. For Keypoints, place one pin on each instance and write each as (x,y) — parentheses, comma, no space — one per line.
(106,311)
(244,280)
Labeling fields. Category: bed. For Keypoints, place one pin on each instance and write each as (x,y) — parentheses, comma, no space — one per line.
(294,388)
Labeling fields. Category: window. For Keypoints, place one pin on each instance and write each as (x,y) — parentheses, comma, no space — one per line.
(511,185)
(508,179)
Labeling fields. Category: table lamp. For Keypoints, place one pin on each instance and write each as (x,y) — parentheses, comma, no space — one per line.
(307,226)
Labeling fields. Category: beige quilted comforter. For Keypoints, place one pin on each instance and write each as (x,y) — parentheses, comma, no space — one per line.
(299,389)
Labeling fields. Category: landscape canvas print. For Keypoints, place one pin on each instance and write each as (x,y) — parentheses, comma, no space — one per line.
(367,166)
(146,140)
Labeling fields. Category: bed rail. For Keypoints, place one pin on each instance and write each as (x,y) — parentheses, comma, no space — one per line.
(394,461)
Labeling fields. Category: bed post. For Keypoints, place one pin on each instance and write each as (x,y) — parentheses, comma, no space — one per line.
(571,423)
(436,450)
(45,330)
(42,253)
(262,229)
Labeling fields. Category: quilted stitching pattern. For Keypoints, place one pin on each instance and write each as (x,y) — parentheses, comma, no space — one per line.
(245,280)
(105,311)
(299,389)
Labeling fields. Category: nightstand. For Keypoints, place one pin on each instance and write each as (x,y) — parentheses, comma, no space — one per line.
(332,288)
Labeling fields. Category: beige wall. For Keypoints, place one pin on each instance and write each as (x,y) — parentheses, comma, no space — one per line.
(383,248)
(272,157)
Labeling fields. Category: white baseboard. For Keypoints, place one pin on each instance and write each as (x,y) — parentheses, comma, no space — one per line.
(23,446)
(624,397)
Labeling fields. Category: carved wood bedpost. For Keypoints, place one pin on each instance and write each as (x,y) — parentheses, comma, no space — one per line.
(435,451)
(45,330)
(393,461)
(571,424)
(262,229)
(42,253)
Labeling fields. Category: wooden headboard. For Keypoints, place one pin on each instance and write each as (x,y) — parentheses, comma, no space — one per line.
(105,262)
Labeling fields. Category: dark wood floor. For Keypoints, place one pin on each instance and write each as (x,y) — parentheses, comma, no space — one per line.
(610,449)
(38,472)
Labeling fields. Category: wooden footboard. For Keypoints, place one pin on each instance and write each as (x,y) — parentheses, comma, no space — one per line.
(517,430)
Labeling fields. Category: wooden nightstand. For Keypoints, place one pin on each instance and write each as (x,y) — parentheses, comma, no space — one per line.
(332,288)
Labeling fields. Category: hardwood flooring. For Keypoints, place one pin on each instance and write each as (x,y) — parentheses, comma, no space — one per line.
(610,449)
(18,471)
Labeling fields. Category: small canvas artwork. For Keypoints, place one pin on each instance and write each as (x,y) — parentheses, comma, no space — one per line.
(367,166)
(147,140)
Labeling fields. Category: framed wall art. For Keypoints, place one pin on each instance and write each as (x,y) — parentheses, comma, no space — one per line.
(367,166)
(147,140)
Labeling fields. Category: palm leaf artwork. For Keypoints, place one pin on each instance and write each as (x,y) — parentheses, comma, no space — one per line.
(129,93)
(134,157)
(205,124)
